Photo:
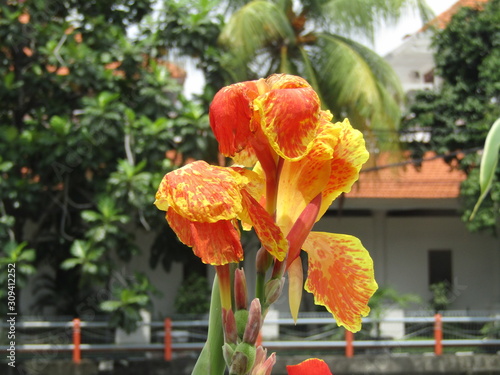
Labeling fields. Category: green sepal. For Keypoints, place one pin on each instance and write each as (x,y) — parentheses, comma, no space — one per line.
(241,317)
(247,351)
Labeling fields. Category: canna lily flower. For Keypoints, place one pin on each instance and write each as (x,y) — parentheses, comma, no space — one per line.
(312,366)
(307,161)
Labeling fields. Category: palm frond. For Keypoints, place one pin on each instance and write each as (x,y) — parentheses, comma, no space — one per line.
(362,18)
(356,82)
(256,25)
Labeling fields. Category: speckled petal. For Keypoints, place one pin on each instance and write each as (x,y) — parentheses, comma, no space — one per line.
(214,243)
(289,118)
(349,156)
(301,181)
(270,235)
(285,81)
(231,113)
(202,192)
(340,276)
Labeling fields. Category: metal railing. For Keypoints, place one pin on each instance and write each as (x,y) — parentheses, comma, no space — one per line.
(431,333)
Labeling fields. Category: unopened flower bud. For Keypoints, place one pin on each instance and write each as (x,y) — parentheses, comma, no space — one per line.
(263,261)
(254,322)
(228,353)
(241,317)
(273,290)
(260,355)
(229,324)
(263,366)
(240,289)
(243,359)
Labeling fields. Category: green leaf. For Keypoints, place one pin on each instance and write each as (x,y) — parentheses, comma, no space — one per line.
(106,97)
(489,162)
(244,31)
(90,216)
(110,306)
(364,86)
(70,263)
(28,255)
(211,360)
(60,124)
(79,249)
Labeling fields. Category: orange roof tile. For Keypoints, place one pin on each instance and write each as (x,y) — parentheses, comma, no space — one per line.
(444,18)
(435,179)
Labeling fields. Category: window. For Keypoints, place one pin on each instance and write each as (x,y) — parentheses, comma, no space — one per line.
(439,262)
(429,76)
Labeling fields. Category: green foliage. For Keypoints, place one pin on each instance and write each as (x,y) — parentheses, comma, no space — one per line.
(192,28)
(386,298)
(458,116)
(193,297)
(20,259)
(440,296)
(89,113)
(128,302)
(313,39)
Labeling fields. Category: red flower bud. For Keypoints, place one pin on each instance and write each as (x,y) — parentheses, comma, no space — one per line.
(240,289)
(254,323)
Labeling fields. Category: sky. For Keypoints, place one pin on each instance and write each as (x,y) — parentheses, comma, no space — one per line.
(387,39)
(390,37)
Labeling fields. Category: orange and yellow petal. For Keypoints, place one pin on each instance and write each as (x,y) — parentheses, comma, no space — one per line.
(289,118)
(202,192)
(349,156)
(340,276)
(247,157)
(214,243)
(270,235)
(295,287)
(285,81)
(230,115)
(301,181)
(312,366)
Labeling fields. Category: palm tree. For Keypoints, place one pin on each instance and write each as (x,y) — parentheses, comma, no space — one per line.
(312,38)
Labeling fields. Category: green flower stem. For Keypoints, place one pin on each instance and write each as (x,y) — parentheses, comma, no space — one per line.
(225,287)
(211,360)
(260,287)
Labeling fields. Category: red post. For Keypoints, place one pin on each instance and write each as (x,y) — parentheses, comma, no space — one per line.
(349,347)
(438,335)
(76,341)
(168,339)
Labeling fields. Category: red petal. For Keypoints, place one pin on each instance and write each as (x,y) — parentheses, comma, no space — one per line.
(269,233)
(215,243)
(231,112)
(312,366)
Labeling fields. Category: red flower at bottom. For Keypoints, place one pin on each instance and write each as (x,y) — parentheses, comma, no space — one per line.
(312,366)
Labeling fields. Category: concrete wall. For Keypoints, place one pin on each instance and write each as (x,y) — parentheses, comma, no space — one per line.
(482,364)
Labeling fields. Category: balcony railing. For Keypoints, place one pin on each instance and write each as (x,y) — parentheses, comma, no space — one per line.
(431,334)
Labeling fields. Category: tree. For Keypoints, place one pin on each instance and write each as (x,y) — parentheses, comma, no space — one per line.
(91,119)
(313,39)
(459,114)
